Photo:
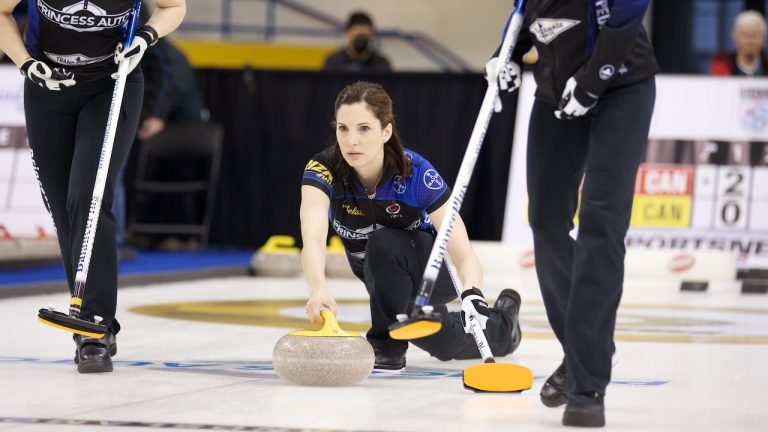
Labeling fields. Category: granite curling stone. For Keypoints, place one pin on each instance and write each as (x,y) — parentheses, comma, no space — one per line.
(277,258)
(326,357)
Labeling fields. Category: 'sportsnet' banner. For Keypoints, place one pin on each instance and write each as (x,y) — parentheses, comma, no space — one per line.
(704,181)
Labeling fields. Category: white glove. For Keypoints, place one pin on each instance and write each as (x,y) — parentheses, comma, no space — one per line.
(508,76)
(42,75)
(575,102)
(473,305)
(145,37)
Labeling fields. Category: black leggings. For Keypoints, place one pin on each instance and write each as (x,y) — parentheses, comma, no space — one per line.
(394,264)
(581,280)
(66,130)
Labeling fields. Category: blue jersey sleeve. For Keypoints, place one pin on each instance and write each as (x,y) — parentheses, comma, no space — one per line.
(431,189)
(317,174)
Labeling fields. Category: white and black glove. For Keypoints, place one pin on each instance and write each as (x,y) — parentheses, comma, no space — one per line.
(42,75)
(145,37)
(575,101)
(473,305)
(509,77)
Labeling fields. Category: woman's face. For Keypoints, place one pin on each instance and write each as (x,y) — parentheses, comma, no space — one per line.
(749,39)
(360,135)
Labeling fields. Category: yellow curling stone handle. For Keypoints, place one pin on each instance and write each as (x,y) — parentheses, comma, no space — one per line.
(330,328)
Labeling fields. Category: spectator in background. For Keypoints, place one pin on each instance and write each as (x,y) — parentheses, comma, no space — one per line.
(170,91)
(359,53)
(749,38)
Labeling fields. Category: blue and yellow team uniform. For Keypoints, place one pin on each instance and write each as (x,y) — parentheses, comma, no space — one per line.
(388,237)
(401,203)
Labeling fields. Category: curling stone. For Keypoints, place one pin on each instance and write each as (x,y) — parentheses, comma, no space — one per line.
(336,262)
(326,357)
(278,258)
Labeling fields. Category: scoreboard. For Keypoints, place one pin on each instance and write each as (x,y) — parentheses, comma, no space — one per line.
(703,197)
(704,182)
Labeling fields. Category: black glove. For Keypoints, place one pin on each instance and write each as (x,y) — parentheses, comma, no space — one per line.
(42,75)
(575,101)
(509,77)
(473,305)
(146,36)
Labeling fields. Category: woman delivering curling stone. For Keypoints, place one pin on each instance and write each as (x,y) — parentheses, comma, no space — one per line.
(385,202)
(68,58)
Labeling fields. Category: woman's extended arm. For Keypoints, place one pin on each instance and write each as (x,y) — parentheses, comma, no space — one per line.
(314,232)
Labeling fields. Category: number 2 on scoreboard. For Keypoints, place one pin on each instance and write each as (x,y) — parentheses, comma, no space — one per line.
(732,197)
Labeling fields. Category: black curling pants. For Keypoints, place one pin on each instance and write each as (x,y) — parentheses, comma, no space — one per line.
(394,264)
(66,130)
(581,280)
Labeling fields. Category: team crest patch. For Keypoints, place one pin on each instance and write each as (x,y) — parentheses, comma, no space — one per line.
(547,29)
(320,171)
(399,185)
(432,180)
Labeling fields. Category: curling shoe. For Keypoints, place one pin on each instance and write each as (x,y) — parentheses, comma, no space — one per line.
(585,410)
(553,392)
(388,361)
(94,355)
(509,302)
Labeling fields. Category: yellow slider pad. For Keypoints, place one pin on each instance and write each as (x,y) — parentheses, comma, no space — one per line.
(498,377)
(70,329)
(414,329)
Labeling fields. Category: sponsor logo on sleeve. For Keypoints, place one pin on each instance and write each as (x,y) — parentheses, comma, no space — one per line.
(623,69)
(320,171)
(432,180)
(547,29)
(602,11)
(606,72)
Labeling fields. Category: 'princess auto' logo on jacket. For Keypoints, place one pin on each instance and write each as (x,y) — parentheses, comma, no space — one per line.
(82,16)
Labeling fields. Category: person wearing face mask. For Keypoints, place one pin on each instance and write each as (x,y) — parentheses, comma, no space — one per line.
(386,202)
(359,53)
(749,40)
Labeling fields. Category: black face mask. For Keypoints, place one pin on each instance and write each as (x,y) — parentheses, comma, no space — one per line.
(360,44)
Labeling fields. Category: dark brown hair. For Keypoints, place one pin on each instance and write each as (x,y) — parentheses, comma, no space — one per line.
(380,105)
